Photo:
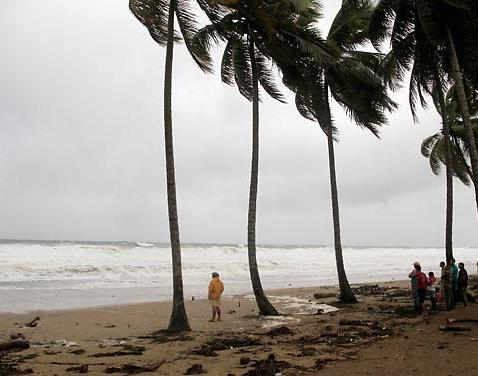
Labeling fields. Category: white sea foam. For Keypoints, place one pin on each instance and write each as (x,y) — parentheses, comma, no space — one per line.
(91,266)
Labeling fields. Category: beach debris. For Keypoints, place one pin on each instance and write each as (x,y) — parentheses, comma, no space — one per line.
(126,350)
(15,344)
(231,312)
(367,290)
(324,295)
(51,352)
(349,322)
(65,343)
(448,328)
(279,331)
(134,368)
(244,360)
(473,339)
(267,367)
(195,369)
(398,292)
(78,369)
(17,336)
(452,320)
(78,351)
(34,323)
(352,354)
(210,348)
(442,345)
(327,358)
(307,351)
(164,336)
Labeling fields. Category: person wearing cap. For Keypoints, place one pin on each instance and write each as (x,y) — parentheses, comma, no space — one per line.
(413,279)
(216,288)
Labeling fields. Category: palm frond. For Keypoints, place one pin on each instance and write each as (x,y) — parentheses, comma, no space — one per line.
(428,144)
(227,64)
(189,27)
(430,20)
(242,68)
(350,26)
(382,20)
(153,14)
(266,77)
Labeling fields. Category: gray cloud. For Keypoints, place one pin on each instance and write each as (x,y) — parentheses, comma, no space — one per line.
(81,154)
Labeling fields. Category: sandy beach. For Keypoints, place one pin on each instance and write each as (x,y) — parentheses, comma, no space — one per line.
(378,336)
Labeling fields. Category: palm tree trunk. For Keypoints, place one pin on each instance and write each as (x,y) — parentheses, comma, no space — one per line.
(462,100)
(346,294)
(448,169)
(265,307)
(179,320)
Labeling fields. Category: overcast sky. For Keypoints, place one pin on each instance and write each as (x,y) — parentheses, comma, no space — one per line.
(82,146)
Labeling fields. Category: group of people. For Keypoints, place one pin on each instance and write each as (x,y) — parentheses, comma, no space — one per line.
(452,287)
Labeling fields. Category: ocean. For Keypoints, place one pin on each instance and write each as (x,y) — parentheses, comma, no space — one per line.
(64,275)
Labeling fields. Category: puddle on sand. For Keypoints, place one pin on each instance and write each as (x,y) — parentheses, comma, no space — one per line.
(297,306)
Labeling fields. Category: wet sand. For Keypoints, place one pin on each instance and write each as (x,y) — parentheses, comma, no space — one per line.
(379,336)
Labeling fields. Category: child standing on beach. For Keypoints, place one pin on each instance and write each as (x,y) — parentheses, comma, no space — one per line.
(215,290)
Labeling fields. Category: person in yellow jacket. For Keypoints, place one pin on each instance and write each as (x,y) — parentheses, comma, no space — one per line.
(216,287)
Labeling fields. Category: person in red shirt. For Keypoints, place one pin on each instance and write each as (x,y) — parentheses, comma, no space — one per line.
(422,284)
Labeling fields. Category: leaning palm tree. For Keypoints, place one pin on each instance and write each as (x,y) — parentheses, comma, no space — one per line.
(451,27)
(351,81)
(159,17)
(249,28)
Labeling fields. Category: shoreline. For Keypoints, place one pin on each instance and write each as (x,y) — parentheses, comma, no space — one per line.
(302,342)
(166,301)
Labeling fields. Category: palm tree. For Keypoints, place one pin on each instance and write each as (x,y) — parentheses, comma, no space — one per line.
(448,148)
(159,17)
(249,28)
(451,28)
(351,81)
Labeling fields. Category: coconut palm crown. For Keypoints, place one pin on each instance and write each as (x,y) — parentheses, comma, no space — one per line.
(439,40)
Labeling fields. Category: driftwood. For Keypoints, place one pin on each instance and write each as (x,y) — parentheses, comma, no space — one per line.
(447,328)
(16,344)
(347,322)
(127,350)
(131,369)
(195,369)
(33,323)
(324,295)
(79,369)
(451,319)
(279,331)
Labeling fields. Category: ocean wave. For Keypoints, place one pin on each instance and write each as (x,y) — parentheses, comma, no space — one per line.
(145,264)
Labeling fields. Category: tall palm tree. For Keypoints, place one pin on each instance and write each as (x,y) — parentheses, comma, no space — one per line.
(451,27)
(249,27)
(448,148)
(159,17)
(351,81)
